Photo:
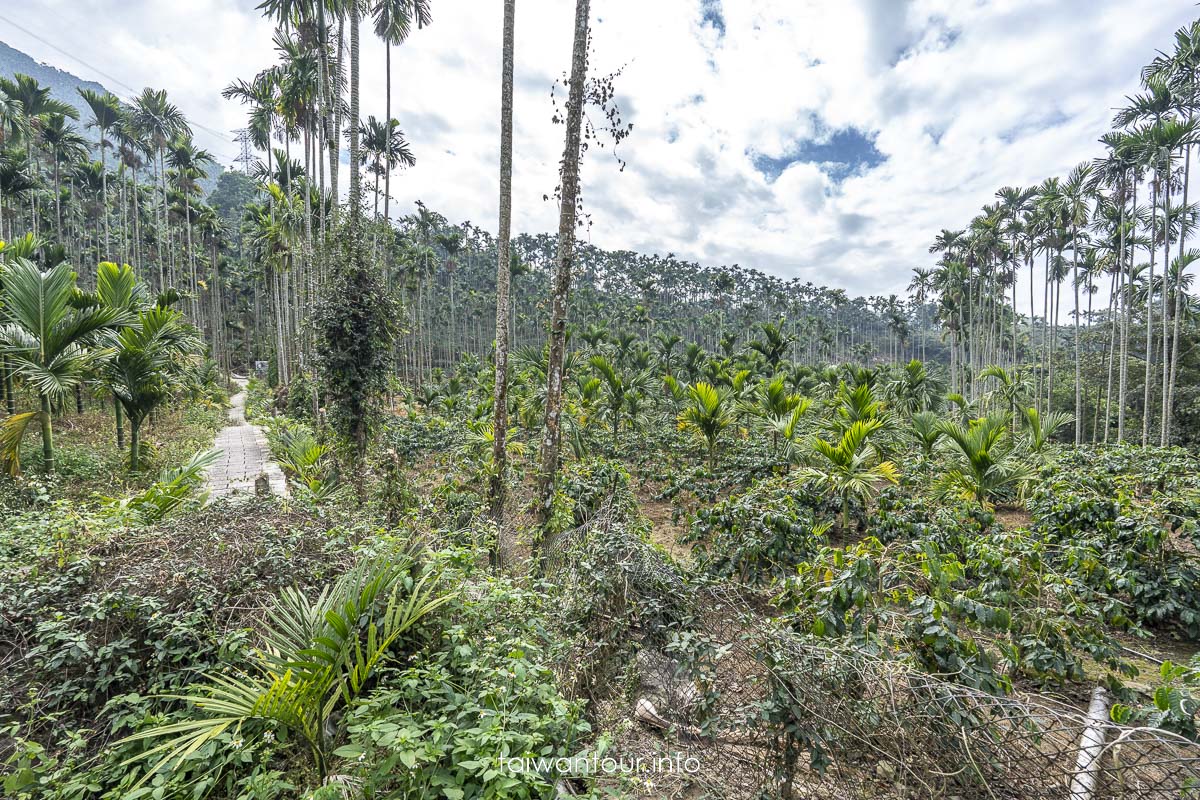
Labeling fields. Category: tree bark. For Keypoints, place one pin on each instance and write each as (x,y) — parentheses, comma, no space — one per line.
(1166,287)
(1078,371)
(498,485)
(355,200)
(552,435)
(1150,315)
(118,415)
(1170,402)
(47,435)
(387,121)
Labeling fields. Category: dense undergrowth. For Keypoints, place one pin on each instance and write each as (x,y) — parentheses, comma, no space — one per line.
(149,659)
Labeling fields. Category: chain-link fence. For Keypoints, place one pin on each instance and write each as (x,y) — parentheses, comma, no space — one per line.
(758,711)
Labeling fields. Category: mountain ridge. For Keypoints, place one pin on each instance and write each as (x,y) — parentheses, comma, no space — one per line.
(64,86)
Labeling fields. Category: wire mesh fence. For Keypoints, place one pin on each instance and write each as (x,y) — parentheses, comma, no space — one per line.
(759,711)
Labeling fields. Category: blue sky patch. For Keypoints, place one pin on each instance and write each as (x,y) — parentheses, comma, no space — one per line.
(840,154)
(710,14)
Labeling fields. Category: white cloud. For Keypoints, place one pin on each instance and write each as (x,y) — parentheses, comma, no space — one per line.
(961,98)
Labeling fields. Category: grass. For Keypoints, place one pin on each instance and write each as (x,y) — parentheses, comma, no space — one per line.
(88,463)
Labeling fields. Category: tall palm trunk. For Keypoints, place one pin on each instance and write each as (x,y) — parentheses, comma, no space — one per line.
(1166,289)
(163,247)
(135,444)
(355,176)
(552,435)
(1150,313)
(1113,290)
(496,489)
(1078,371)
(387,121)
(195,300)
(1169,404)
(1126,311)
(104,195)
(137,226)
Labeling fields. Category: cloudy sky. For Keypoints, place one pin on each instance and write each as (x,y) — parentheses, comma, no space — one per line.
(822,139)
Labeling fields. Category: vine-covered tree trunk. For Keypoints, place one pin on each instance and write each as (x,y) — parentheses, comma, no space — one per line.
(552,435)
(496,492)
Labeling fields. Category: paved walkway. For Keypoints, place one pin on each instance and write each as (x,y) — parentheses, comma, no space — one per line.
(245,454)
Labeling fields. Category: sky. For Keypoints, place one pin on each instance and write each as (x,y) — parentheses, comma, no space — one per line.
(826,140)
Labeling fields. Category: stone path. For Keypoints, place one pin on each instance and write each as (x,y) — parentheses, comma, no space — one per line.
(245,454)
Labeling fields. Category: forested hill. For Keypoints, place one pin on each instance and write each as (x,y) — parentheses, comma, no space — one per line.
(63,85)
(445,275)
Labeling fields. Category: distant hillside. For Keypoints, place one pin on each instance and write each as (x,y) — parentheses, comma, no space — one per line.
(64,86)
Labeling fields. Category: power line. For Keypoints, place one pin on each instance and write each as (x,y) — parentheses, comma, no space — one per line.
(132,92)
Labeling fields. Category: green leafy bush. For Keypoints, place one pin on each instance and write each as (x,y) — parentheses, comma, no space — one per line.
(447,724)
(760,535)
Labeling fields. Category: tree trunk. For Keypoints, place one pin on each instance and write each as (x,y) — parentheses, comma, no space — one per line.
(1126,310)
(104,195)
(119,416)
(552,435)
(387,121)
(1170,402)
(1113,289)
(498,486)
(1166,289)
(355,200)
(135,444)
(1150,315)
(1078,371)
(47,435)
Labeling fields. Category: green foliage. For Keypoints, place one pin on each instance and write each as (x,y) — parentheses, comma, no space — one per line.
(447,724)
(144,360)
(972,607)
(915,390)
(1041,428)
(100,618)
(851,467)
(300,395)
(614,593)
(1116,550)
(988,467)
(621,392)
(355,322)
(259,400)
(45,340)
(707,416)
(174,489)
(760,535)
(307,463)
(1174,704)
(319,654)
(927,431)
